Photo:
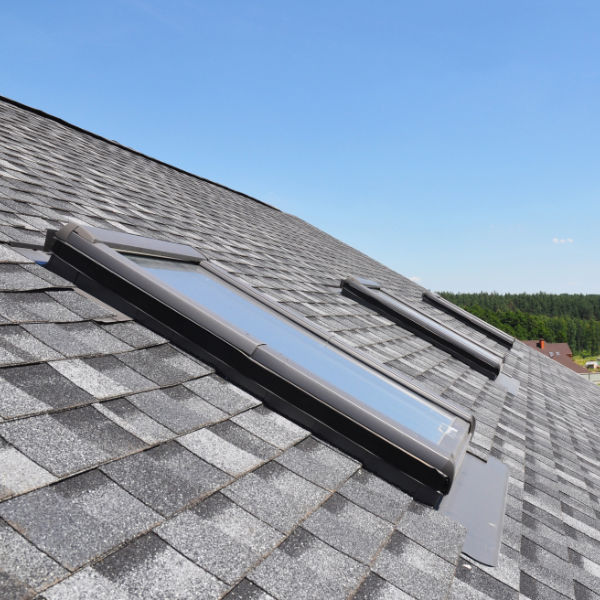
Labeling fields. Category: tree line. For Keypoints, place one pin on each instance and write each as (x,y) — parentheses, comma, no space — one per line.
(571,318)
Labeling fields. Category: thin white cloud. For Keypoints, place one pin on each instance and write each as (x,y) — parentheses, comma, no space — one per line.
(556,240)
(415,279)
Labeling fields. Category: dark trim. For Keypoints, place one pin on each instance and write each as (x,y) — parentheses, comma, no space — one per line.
(469,319)
(436,333)
(46,115)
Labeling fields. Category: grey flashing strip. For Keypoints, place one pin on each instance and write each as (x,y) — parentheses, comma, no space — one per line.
(477,500)
(436,332)
(468,318)
(376,416)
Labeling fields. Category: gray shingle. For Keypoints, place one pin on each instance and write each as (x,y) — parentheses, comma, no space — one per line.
(7,255)
(18,474)
(81,304)
(433,530)
(37,388)
(24,563)
(78,519)
(124,575)
(177,408)
(375,588)
(473,576)
(220,537)
(120,373)
(167,477)
(376,495)
(76,339)
(68,442)
(246,590)
(319,463)
(271,427)
(546,567)
(89,379)
(131,419)
(18,346)
(33,306)
(303,567)
(229,447)
(134,334)
(55,281)
(222,394)
(414,569)
(507,570)
(276,495)
(164,364)
(17,278)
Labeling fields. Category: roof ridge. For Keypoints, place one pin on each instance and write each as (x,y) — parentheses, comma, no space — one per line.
(46,115)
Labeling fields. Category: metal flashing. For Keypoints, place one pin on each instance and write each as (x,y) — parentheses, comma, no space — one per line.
(477,500)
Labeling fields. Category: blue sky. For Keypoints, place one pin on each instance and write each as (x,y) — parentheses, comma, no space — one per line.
(457,142)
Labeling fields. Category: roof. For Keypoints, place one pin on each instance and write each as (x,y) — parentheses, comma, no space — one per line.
(130,469)
(562,348)
(560,352)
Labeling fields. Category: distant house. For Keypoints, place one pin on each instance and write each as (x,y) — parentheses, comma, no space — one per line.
(560,352)
(591,364)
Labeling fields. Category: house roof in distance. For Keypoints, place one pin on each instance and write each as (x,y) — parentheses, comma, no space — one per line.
(560,352)
(131,469)
(550,348)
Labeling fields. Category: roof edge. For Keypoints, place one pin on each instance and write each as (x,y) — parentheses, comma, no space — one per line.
(46,115)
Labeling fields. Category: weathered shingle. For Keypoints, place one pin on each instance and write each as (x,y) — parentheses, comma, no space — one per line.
(71,441)
(221,537)
(167,477)
(177,408)
(303,567)
(90,515)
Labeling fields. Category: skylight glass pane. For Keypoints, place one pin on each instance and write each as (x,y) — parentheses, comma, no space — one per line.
(307,351)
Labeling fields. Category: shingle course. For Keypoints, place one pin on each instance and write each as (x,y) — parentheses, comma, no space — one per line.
(177,408)
(303,567)
(166,478)
(90,515)
(221,537)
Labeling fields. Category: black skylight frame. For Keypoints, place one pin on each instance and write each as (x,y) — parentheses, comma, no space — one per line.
(437,333)
(469,319)
(91,258)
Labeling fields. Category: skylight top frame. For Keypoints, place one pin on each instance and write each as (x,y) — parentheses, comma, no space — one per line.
(439,334)
(92,258)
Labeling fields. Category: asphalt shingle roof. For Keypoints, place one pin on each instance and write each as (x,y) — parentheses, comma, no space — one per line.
(129,469)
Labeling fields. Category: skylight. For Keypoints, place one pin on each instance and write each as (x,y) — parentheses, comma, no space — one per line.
(436,332)
(398,432)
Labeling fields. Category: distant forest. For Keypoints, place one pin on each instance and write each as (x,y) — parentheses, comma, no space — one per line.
(571,318)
